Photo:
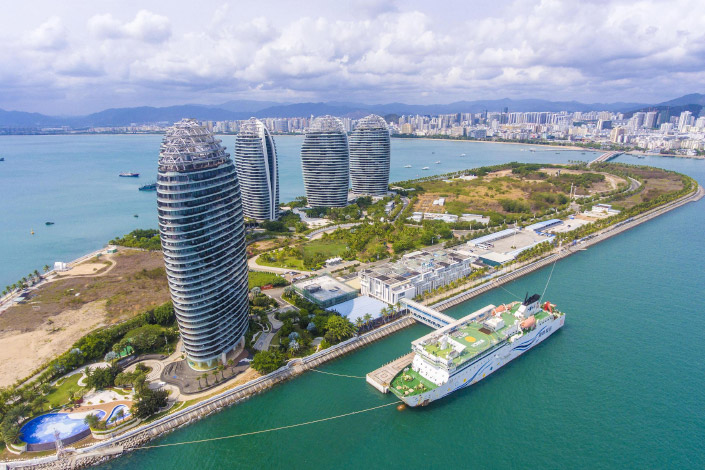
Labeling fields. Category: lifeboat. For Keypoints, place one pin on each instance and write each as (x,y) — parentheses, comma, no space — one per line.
(528,323)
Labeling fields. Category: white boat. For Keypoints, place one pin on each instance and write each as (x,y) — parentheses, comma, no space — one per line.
(462,154)
(425,168)
(467,350)
(438,162)
(407,166)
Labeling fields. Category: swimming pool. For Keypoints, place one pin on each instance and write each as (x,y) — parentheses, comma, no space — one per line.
(41,429)
(113,414)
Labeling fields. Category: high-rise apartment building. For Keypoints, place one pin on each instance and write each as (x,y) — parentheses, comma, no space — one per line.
(257,171)
(369,157)
(203,242)
(325,161)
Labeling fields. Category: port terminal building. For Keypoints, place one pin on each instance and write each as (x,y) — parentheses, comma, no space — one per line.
(504,246)
(416,273)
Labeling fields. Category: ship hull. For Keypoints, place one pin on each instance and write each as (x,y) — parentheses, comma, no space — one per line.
(473,373)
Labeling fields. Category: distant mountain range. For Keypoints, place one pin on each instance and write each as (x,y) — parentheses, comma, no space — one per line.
(243,109)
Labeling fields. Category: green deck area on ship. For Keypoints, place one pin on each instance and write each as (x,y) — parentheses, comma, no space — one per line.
(403,387)
(475,337)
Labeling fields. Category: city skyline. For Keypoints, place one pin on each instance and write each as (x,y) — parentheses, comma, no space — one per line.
(131,53)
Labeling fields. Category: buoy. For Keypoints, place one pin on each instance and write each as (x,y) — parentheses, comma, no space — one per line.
(401,407)
(31,231)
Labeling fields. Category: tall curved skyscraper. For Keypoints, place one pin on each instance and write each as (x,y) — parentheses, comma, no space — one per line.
(369,157)
(203,241)
(325,163)
(256,165)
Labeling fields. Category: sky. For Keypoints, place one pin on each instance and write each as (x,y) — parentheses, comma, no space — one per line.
(73,57)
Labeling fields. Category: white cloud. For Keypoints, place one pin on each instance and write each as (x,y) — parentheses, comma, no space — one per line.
(146,26)
(381,51)
(49,36)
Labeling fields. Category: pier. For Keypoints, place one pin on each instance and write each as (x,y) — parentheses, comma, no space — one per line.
(382,377)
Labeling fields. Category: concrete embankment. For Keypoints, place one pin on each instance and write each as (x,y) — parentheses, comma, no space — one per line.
(133,439)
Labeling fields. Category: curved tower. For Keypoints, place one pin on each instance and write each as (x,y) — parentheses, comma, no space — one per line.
(256,165)
(324,161)
(203,242)
(369,157)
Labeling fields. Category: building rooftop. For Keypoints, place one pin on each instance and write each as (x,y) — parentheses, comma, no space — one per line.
(359,307)
(324,288)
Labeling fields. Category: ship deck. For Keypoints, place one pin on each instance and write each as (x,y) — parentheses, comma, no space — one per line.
(475,337)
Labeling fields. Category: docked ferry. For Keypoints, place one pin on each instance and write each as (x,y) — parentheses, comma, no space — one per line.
(466,351)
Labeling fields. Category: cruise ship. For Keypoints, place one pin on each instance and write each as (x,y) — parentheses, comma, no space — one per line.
(466,351)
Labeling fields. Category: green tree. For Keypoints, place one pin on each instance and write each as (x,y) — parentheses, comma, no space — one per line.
(340,327)
(265,362)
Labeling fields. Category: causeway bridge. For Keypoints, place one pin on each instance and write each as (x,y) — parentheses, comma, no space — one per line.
(605,157)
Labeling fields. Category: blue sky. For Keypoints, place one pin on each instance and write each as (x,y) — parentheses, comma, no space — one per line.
(75,56)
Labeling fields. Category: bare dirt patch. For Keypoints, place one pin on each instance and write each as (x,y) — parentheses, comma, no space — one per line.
(60,312)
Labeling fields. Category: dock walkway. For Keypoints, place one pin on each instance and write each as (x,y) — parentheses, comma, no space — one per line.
(382,377)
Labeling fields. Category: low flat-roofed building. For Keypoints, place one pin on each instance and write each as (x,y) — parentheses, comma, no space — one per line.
(360,306)
(324,291)
(416,273)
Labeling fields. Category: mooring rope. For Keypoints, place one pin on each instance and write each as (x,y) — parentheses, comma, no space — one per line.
(514,295)
(549,279)
(232,436)
(339,375)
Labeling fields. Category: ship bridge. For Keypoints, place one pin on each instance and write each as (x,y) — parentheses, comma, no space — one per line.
(427,315)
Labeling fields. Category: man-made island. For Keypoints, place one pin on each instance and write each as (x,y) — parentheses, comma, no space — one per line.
(461,234)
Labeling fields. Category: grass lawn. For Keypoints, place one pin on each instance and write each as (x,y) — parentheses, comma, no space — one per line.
(62,393)
(328,248)
(287,262)
(259,279)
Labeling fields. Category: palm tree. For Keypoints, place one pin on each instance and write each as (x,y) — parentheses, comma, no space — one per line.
(368,318)
(205,377)
(231,363)
(46,268)
(220,369)
(385,313)
(36,273)
(199,381)
(120,414)
(215,375)
(358,323)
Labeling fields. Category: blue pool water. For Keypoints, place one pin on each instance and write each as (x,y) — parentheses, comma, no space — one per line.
(41,429)
(112,418)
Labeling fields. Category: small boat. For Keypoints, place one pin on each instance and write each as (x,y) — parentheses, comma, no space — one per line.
(462,154)
(532,150)
(148,187)
(129,175)
(425,168)
(407,166)
(2,159)
(438,162)
(135,216)
(48,223)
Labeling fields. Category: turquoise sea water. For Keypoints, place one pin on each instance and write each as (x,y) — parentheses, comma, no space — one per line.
(622,385)
(73,181)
